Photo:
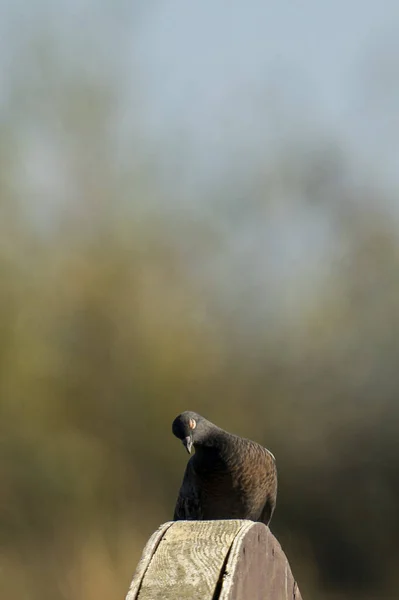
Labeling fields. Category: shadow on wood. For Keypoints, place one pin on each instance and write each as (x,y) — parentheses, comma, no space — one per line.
(213,560)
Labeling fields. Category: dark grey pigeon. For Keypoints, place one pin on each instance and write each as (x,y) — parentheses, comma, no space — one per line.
(228,477)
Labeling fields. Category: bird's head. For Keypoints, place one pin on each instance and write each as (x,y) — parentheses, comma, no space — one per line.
(190,428)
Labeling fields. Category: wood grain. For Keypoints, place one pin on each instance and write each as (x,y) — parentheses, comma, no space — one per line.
(257,568)
(148,552)
(213,560)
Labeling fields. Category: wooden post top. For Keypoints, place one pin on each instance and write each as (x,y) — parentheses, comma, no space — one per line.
(213,560)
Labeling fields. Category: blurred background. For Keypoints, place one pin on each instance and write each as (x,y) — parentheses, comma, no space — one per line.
(198,210)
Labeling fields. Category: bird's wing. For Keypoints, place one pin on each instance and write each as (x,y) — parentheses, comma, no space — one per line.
(188,505)
(268,510)
(270,503)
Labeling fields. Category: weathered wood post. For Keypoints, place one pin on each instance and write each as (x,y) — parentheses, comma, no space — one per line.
(213,560)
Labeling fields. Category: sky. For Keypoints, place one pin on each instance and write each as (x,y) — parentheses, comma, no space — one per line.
(218,71)
(224,77)
(223,82)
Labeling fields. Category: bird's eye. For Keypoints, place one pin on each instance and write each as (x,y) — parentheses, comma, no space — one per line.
(192,424)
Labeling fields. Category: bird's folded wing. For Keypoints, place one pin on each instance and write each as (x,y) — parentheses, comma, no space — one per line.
(188,505)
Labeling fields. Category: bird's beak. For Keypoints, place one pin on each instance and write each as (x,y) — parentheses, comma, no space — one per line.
(188,443)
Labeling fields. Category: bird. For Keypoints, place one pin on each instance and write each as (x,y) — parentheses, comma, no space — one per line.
(228,477)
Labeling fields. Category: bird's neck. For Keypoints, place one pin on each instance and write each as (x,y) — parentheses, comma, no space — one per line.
(214,449)
(218,439)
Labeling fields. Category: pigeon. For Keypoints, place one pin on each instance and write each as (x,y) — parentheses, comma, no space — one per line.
(228,477)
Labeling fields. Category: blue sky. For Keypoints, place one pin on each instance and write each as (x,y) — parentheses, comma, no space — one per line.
(207,49)
(227,71)
(221,80)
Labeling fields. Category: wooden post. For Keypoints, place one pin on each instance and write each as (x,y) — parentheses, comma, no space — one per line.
(213,560)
